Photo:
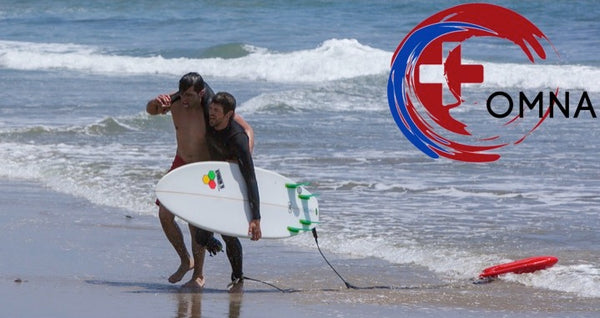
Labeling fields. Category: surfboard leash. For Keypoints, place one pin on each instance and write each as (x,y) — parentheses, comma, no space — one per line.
(346,283)
(269,284)
(350,286)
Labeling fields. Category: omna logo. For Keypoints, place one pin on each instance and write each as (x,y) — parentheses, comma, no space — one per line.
(422,108)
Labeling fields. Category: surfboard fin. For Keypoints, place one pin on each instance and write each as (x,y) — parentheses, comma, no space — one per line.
(296,185)
(307,196)
(297,229)
(306,222)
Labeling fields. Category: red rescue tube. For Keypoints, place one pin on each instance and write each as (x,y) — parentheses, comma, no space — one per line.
(526,265)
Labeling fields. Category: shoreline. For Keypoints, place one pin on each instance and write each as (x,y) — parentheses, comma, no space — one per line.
(65,257)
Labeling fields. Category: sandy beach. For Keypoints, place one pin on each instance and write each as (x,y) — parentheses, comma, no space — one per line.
(62,256)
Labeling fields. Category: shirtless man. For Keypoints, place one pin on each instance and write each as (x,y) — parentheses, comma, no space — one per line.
(189,110)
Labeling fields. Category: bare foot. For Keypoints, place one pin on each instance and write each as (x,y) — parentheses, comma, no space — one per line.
(178,275)
(195,284)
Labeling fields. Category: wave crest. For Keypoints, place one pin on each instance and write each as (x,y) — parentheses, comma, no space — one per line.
(332,60)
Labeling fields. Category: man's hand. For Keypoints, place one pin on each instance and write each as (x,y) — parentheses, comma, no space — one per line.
(254,230)
(160,105)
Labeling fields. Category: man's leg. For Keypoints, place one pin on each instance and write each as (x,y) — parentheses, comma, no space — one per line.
(198,251)
(235,256)
(174,235)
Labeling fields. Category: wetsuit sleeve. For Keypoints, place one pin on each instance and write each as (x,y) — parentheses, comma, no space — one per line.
(175,97)
(239,142)
(206,100)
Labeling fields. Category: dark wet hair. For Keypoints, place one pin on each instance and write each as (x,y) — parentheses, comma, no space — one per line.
(191,79)
(226,100)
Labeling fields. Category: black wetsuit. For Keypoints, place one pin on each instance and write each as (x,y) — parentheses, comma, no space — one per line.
(231,144)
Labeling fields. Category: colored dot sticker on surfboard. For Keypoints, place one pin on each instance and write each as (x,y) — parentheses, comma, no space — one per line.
(209,179)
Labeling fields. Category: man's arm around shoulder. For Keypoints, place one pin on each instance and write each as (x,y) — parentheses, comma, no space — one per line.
(160,105)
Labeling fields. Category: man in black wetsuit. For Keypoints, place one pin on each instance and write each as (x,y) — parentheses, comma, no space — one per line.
(227,141)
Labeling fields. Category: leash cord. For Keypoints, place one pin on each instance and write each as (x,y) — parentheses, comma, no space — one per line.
(350,286)
(268,284)
(346,283)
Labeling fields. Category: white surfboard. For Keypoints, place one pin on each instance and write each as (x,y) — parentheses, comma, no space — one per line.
(212,195)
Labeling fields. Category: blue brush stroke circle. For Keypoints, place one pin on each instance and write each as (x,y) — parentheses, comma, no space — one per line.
(403,65)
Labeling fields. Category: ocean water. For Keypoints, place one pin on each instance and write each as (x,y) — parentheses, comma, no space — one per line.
(311,78)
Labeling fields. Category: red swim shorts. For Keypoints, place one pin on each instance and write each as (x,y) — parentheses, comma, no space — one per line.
(177,162)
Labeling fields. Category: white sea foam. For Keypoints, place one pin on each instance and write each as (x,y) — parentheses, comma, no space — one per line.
(536,76)
(330,96)
(88,171)
(581,279)
(334,59)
